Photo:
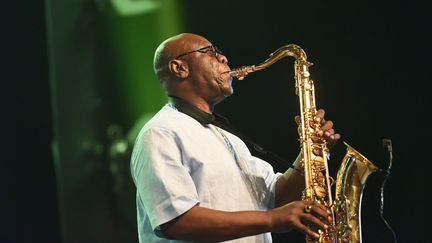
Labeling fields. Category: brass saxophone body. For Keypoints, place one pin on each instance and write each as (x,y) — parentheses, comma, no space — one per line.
(353,172)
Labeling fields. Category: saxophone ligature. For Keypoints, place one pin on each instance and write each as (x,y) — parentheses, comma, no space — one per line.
(353,172)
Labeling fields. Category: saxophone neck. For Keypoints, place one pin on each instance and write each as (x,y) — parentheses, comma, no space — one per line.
(292,50)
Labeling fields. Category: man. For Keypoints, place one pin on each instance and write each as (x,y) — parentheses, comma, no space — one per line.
(196,181)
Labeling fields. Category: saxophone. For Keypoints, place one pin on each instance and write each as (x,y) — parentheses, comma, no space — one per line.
(354,169)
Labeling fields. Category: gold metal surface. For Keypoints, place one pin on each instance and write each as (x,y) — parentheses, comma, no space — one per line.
(351,175)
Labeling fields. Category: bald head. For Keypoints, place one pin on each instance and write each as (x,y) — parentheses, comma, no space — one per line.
(200,76)
(171,48)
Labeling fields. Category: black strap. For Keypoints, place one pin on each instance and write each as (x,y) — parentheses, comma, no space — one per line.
(222,122)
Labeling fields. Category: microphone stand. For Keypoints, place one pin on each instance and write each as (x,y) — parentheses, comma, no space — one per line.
(387,144)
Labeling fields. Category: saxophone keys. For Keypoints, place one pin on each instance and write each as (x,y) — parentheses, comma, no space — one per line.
(317,152)
(320,192)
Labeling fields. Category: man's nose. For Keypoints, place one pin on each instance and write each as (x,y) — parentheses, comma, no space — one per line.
(222,59)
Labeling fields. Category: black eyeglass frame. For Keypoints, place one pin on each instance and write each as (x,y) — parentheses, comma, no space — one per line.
(205,49)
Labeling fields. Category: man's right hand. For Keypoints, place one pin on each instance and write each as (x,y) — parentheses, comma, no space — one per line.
(303,216)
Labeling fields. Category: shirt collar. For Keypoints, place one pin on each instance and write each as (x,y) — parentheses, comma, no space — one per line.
(201,116)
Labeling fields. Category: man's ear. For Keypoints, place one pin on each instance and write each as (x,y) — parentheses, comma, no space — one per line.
(179,68)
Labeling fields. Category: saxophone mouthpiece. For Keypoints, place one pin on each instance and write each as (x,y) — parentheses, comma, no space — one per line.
(241,72)
(233,73)
(236,74)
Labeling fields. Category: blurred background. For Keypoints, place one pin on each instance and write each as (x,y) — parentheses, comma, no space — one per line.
(77,84)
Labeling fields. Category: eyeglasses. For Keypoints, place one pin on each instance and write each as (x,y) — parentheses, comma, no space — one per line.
(213,49)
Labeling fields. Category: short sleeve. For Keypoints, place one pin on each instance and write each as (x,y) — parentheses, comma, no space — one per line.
(164,186)
(269,177)
(261,172)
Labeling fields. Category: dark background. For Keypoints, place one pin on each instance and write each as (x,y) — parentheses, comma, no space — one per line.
(371,75)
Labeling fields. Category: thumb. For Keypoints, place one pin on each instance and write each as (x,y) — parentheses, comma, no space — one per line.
(297,119)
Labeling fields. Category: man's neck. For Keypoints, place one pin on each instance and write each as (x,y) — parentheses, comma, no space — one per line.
(191,110)
(199,103)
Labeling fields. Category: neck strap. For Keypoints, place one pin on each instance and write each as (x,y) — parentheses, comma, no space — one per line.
(213,118)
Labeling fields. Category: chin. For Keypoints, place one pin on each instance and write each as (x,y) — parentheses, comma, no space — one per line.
(231,92)
(227,91)
(225,88)
(223,96)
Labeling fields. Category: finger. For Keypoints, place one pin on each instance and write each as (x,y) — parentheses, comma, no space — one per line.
(297,120)
(320,114)
(322,207)
(322,212)
(309,218)
(326,133)
(318,210)
(329,133)
(307,231)
(326,125)
(335,136)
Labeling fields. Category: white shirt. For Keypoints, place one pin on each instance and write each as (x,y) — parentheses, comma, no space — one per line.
(178,163)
